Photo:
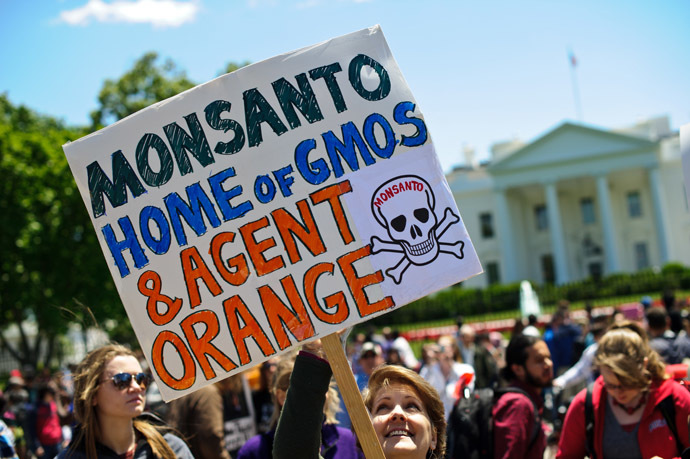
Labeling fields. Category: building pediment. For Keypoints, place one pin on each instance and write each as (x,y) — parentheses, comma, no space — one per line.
(569,144)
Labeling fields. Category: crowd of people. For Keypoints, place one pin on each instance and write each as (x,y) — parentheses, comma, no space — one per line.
(615,380)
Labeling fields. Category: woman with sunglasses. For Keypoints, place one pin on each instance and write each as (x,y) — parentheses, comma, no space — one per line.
(630,402)
(109,397)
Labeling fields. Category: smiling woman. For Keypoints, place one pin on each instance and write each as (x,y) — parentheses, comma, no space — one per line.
(109,396)
(406,412)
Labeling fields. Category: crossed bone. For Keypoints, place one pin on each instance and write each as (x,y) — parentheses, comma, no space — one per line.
(396,272)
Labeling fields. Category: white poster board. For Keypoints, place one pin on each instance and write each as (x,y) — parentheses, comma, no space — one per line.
(271,206)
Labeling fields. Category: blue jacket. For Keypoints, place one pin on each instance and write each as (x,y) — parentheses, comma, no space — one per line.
(560,343)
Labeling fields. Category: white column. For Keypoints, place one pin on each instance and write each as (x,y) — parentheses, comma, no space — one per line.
(557,237)
(660,215)
(607,225)
(505,238)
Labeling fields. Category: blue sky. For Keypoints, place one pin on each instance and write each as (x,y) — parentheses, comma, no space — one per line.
(481,72)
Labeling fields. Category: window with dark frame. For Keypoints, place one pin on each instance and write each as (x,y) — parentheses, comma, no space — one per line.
(587,208)
(486,223)
(634,204)
(493,273)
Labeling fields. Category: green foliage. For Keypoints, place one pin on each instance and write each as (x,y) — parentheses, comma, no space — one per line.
(232,66)
(673,269)
(52,267)
(146,83)
(45,233)
(446,305)
(53,270)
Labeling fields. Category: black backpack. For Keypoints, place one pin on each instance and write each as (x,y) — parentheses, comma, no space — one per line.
(470,424)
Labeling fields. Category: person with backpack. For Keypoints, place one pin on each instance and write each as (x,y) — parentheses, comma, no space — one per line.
(633,409)
(517,424)
(506,422)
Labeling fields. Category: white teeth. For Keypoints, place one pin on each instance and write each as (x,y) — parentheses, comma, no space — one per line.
(398,433)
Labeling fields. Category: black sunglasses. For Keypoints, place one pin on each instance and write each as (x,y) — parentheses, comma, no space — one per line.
(124,380)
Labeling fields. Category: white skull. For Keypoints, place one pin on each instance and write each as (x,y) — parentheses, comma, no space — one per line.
(405,207)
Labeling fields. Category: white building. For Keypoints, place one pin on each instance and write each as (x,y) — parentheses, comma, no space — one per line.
(578,201)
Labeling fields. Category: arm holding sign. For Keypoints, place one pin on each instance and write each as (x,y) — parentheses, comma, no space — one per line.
(299,428)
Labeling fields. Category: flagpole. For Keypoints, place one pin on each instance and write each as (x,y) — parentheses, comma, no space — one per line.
(573,80)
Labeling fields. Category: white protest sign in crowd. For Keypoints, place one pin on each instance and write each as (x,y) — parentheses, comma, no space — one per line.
(271,206)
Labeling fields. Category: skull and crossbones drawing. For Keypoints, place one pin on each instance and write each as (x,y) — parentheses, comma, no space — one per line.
(404,206)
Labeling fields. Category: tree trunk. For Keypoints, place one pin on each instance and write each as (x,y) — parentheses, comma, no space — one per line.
(36,351)
(50,351)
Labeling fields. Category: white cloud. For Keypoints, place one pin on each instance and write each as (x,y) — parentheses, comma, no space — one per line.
(159,13)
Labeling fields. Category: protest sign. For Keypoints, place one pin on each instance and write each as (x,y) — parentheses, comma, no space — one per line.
(271,206)
(238,416)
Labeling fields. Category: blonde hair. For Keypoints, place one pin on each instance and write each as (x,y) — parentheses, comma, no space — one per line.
(86,380)
(624,349)
(386,375)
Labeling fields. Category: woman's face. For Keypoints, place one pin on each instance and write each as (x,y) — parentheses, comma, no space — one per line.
(119,403)
(621,393)
(401,423)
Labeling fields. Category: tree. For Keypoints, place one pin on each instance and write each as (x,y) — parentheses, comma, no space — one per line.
(45,233)
(232,66)
(52,268)
(146,83)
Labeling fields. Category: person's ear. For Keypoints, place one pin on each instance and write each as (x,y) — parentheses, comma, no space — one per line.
(519,371)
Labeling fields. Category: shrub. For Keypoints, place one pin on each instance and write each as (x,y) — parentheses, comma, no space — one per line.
(447,304)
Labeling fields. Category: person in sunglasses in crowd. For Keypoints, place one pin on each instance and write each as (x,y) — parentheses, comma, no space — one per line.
(109,394)
(629,404)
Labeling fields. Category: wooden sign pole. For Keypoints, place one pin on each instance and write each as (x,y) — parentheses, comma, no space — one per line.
(353,400)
